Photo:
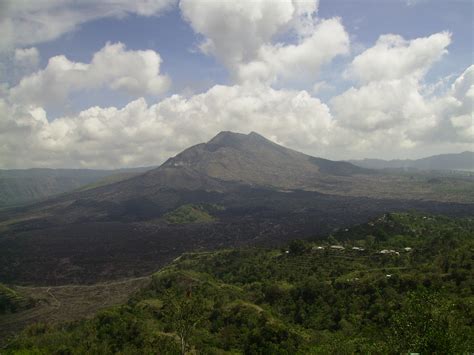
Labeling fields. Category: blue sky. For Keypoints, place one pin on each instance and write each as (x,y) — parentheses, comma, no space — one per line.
(167,34)
(194,71)
(324,57)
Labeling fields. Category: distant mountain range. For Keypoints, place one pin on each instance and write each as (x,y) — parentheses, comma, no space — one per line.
(460,161)
(18,186)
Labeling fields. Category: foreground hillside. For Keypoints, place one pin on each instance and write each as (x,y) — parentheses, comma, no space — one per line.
(402,282)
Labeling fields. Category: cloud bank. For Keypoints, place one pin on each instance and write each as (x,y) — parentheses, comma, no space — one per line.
(142,134)
(266,46)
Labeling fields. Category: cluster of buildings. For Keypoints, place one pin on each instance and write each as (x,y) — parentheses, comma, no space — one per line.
(383,251)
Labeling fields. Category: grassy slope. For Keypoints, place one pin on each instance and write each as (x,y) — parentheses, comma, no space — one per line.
(11,301)
(189,214)
(58,304)
(304,301)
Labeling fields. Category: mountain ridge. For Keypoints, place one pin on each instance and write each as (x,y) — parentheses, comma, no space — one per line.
(451,161)
(22,186)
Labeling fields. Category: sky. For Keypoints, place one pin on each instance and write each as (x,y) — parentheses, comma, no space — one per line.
(118,83)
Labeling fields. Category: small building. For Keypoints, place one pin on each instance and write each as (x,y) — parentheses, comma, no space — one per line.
(318,248)
(337,247)
(407,249)
(389,251)
(358,248)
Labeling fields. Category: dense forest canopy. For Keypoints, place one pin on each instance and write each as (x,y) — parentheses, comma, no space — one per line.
(340,295)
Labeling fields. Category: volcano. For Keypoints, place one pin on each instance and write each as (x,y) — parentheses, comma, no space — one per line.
(235,190)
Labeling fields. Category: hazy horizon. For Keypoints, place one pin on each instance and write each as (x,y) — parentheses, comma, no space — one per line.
(161,162)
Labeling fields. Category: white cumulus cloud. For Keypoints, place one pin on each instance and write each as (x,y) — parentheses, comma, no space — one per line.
(390,90)
(143,134)
(113,67)
(297,61)
(458,107)
(391,101)
(244,37)
(393,57)
(23,23)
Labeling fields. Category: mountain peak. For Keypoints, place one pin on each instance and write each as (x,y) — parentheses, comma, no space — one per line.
(254,160)
(235,135)
(235,140)
(256,135)
(224,136)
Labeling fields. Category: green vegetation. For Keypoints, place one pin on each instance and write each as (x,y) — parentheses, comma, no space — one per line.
(59,304)
(191,214)
(11,301)
(308,298)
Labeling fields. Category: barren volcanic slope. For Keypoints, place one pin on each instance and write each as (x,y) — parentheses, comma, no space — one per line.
(230,160)
(254,160)
(225,164)
(234,190)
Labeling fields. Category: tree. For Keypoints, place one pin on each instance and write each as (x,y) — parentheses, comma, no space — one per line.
(298,247)
(183,313)
(425,324)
